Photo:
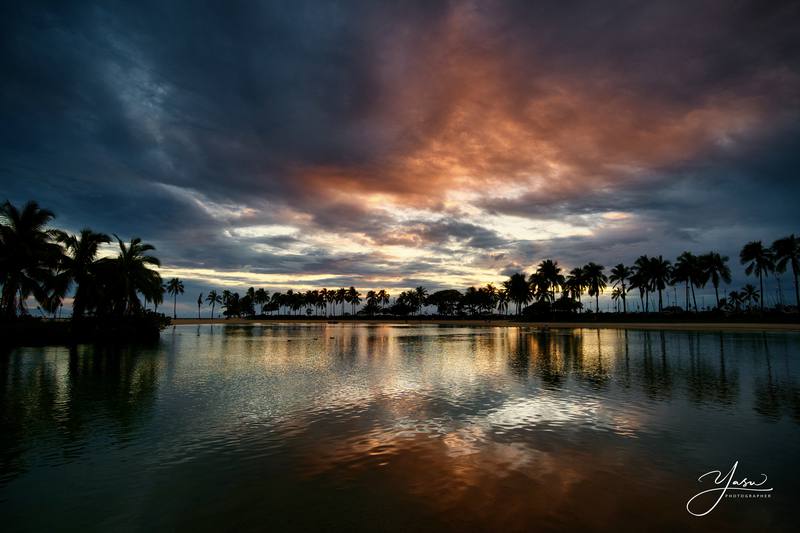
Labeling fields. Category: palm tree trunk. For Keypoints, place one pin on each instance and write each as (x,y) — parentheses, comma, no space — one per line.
(624,305)
(597,302)
(175,305)
(716,294)
(660,302)
(687,295)
(212,311)
(761,281)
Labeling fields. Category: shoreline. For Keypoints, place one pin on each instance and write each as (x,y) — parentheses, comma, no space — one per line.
(693,326)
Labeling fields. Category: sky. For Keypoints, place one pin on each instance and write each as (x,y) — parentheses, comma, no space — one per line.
(389,145)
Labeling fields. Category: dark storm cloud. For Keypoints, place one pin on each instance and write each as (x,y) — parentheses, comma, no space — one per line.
(183,121)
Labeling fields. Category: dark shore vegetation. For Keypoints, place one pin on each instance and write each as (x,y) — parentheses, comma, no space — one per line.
(652,289)
(110,294)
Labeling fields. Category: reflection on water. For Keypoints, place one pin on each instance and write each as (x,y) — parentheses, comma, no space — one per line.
(393,427)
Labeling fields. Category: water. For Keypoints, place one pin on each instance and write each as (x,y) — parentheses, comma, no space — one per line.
(365,427)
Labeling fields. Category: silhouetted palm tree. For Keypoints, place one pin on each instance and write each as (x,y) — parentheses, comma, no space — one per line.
(575,283)
(213,298)
(28,255)
(261,299)
(175,287)
(132,265)
(372,302)
(490,297)
(688,270)
(384,298)
(519,290)
(540,290)
(550,278)
(157,297)
(750,294)
(735,299)
(276,301)
(787,253)
(660,273)
(643,278)
(638,281)
(353,296)
(502,301)
(323,296)
(421,295)
(616,296)
(619,276)
(596,281)
(78,264)
(199,304)
(759,260)
(715,268)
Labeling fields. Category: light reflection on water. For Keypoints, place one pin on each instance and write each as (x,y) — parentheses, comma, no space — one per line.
(395,427)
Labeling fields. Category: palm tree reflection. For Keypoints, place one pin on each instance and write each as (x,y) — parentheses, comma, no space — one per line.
(64,396)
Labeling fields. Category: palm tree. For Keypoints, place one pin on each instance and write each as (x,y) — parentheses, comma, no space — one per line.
(231,303)
(550,278)
(660,273)
(372,301)
(714,267)
(759,260)
(735,298)
(596,281)
(750,294)
(132,266)
(492,296)
(540,289)
(28,255)
(616,296)
(353,296)
(502,301)
(642,268)
(261,298)
(619,275)
(787,253)
(331,298)
(421,296)
(158,297)
(276,301)
(175,287)
(323,297)
(575,283)
(199,304)
(638,281)
(384,298)
(341,295)
(518,289)
(688,270)
(213,298)
(78,264)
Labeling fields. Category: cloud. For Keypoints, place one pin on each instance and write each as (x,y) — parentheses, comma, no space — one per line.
(412,143)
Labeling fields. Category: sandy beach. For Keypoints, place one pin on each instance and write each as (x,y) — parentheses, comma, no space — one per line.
(698,326)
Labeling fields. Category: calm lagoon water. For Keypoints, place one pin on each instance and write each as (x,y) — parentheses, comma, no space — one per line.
(380,427)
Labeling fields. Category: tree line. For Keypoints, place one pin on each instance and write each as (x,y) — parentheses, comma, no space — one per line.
(547,289)
(47,264)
